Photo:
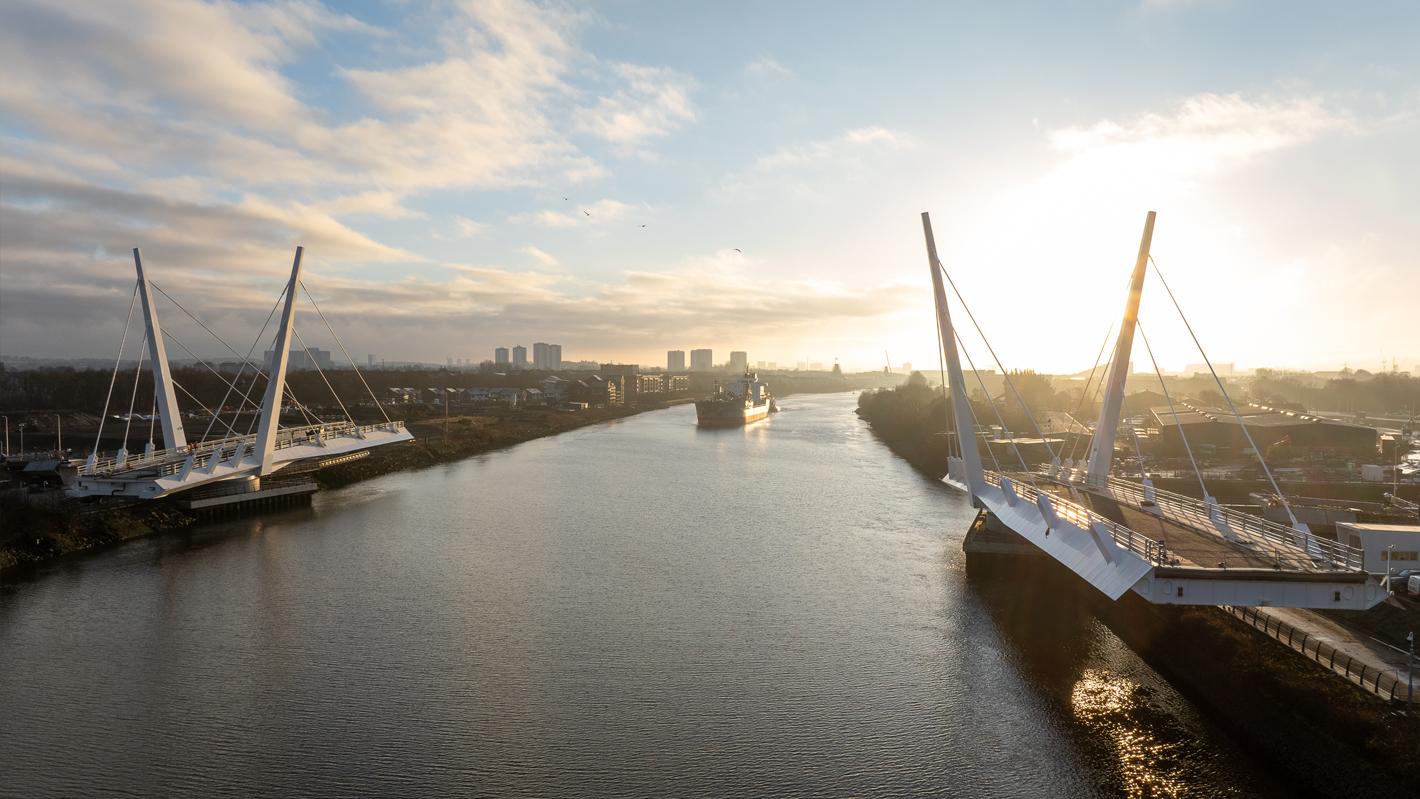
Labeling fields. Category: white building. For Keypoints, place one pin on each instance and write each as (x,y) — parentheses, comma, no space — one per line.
(702,360)
(675,361)
(1403,540)
(739,362)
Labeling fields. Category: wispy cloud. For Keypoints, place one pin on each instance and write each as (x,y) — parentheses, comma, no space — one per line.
(653,102)
(541,256)
(1203,134)
(599,212)
(766,67)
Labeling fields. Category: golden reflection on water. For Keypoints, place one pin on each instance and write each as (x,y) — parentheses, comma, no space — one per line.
(1106,702)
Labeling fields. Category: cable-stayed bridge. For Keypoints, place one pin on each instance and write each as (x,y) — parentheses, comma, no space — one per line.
(1122,536)
(263,449)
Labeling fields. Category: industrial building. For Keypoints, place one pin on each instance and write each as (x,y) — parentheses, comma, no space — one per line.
(1393,546)
(1219,429)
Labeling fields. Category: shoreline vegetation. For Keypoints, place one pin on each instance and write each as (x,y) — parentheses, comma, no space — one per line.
(1321,734)
(32,535)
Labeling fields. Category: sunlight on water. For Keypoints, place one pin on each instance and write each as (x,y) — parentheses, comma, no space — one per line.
(1109,704)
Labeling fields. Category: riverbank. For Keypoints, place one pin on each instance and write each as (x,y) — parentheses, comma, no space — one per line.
(33,535)
(1329,737)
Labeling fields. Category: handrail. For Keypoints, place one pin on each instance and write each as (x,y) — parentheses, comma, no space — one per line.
(170,461)
(1299,549)
(1155,552)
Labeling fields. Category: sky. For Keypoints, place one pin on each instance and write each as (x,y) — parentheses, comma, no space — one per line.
(626,178)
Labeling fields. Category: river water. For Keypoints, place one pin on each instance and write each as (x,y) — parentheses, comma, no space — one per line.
(639,608)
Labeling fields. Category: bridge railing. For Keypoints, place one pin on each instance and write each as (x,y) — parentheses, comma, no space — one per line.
(166,462)
(1153,551)
(1291,548)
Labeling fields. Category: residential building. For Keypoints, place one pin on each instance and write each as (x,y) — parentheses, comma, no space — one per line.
(675,361)
(739,362)
(650,384)
(595,390)
(554,356)
(520,357)
(554,388)
(677,383)
(500,356)
(702,360)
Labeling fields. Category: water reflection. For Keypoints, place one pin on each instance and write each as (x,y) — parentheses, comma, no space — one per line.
(639,609)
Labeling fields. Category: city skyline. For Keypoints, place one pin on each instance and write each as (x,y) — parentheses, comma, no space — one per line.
(487,167)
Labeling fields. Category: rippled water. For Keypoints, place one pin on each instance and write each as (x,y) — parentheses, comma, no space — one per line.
(640,608)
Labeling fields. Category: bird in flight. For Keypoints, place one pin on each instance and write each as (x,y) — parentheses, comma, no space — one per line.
(643,226)
(564,199)
(738,250)
(588,213)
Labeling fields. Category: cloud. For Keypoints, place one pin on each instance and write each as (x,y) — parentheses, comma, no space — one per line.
(1202,134)
(654,101)
(382,204)
(540,255)
(599,212)
(817,152)
(766,67)
(468,228)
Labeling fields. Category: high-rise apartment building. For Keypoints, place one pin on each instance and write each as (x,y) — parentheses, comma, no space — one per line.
(500,356)
(702,360)
(554,356)
(520,357)
(675,361)
(739,362)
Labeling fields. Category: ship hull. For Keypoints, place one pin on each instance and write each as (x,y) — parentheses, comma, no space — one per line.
(724,414)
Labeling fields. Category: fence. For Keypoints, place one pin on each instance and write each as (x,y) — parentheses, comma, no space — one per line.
(1386,685)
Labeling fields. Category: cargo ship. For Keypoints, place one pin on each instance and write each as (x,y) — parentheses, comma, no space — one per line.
(744,400)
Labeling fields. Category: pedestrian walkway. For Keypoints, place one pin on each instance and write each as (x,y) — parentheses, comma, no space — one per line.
(1349,653)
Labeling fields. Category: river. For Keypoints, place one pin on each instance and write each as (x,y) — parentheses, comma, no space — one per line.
(639,608)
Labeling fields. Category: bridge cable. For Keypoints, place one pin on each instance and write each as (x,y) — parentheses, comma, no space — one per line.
(997,411)
(223,341)
(230,385)
(1181,434)
(1265,470)
(183,389)
(128,423)
(1020,400)
(948,412)
(114,377)
(348,357)
(1085,392)
(246,361)
(321,372)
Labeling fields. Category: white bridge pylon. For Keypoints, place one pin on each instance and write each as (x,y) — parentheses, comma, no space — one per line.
(1300,570)
(181,466)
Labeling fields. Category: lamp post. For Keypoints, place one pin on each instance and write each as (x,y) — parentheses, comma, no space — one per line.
(1410,673)
(7,435)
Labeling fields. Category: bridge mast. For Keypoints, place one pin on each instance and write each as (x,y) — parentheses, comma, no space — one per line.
(265,445)
(1102,446)
(165,399)
(961,406)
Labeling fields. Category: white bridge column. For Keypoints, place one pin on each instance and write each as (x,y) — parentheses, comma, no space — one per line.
(276,374)
(961,406)
(1102,446)
(166,400)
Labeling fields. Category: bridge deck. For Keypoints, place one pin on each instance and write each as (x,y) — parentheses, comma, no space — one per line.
(1204,549)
